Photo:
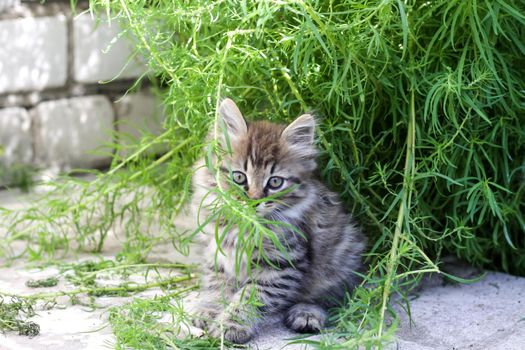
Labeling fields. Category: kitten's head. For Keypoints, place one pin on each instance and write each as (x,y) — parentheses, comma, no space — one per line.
(268,159)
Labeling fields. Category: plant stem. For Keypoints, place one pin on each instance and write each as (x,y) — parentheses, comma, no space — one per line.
(128,266)
(102,290)
(404,208)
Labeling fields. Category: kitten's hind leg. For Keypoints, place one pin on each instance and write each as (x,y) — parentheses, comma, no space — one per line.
(305,318)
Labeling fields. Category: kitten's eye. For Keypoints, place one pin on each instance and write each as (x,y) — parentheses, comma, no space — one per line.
(275,182)
(239,178)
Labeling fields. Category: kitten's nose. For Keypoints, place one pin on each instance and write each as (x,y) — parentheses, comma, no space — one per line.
(255,194)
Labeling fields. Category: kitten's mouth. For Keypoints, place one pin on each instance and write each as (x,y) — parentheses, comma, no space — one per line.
(266,208)
(263,211)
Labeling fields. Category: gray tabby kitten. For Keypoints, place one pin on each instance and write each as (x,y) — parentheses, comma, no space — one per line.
(319,265)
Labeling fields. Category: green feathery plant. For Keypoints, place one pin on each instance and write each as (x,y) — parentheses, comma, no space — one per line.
(421,107)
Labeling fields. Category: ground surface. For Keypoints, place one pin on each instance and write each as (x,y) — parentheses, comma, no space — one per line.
(489,314)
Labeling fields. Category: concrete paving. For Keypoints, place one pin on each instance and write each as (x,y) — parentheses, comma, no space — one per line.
(486,315)
(489,314)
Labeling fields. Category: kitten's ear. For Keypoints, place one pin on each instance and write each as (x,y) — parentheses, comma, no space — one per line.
(301,131)
(233,120)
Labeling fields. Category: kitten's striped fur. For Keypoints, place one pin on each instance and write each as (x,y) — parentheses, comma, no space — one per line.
(321,263)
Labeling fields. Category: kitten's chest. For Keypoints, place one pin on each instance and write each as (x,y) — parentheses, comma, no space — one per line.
(226,257)
(231,256)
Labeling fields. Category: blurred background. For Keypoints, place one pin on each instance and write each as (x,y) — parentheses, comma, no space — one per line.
(68,86)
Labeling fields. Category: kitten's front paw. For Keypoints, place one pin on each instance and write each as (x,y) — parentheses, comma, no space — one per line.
(204,318)
(305,318)
(233,332)
(237,333)
(202,315)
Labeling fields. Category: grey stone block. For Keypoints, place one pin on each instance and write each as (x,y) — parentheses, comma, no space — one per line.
(138,114)
(101,52)
(15,137)
(33,54)
(7,4)
(74,132)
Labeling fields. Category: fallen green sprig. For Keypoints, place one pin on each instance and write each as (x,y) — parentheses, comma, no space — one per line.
(14,313)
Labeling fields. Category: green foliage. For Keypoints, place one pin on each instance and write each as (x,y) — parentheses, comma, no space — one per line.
(368,68)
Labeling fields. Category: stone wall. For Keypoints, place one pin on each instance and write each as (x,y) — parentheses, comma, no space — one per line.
(63,79)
